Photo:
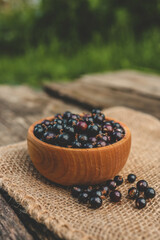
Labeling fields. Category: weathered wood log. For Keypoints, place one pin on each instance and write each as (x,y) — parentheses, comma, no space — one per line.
(37,231)
(124,88)
(20,106)
(10,226)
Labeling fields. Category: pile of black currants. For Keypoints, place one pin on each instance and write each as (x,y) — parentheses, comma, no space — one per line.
(94,195)
(79,131)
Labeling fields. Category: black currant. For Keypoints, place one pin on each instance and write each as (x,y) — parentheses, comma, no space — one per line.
(83,197)
(131,178)
(64,139)
(140,203)
(115,196)
(111,184)
(142,185)
(149,193)
(75,191)
(83,138)
(93,130)
(133,193)
(118,179)
(95,202)
(38,130)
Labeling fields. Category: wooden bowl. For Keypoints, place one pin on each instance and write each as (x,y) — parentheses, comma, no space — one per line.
(68,166)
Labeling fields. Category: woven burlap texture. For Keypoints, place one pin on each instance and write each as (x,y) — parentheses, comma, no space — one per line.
(53,205)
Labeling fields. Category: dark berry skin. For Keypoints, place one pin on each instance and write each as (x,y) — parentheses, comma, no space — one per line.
(121,130)
(133,193)
(49,137)
(107,129)
(38,130)
(116,125)
(72,122)
(118,179)
(81,126)
(83,138)
(131,178)
(46,122)
(57,128)
(149,193)
(99,118)
(115,196)
(70,130)
(142,185)
(83,197)
(58,115)
(88,120)
(96,192)
(96,111)
(111,184)
(64,139)
(140,203)
(116,136)
(59,121)
(67,115)
(104,190)
(88,145)
(93,130)
(92,139)
(95,202)
(75,191)
(101,144)
(76,144)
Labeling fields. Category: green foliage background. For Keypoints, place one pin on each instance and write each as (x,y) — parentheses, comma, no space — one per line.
(64,39)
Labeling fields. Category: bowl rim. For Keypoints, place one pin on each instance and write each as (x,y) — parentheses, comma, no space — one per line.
(43,144)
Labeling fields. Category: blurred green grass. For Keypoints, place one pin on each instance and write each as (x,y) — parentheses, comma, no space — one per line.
(54,42)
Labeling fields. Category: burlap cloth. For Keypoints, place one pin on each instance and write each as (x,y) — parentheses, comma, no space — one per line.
(54,206)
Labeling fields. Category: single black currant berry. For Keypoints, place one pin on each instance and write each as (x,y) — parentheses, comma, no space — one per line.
(96,111)
(140,203)
(72,122)
(99,118)
(121,130)
(70,130)
(76,144)
(82,138)
(57,128)
(149,193)
(96,192)
(104,190)
(101,143)
(50,127)
(115,196)
(46,122)
(49,137)
(88,145)
(93,130)
(133,193)
(142,185)
(95,202)
(75,116)
(92,139)
(131,178)
(38,130)
(88,120)
(81,126)
(67,115)
(58,115)
(75,191)
(107,128)
(118,179)
(59,121)
(116,136)
(83,197)
(88,189)
(64,139)
(116,125)
(111,184)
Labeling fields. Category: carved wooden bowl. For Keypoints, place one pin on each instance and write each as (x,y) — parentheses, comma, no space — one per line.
(68,166)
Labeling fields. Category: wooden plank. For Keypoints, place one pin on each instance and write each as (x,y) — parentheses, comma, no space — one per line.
(20,106)
(37,231)
(10,226)
(124,88)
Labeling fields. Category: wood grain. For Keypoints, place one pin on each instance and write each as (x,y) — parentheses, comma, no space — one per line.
(123,88)
(69,166)
(10,226)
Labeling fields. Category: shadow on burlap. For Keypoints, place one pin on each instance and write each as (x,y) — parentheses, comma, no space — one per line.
(52,205)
